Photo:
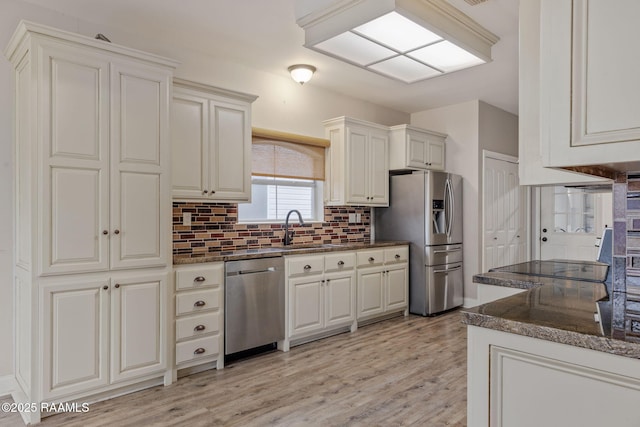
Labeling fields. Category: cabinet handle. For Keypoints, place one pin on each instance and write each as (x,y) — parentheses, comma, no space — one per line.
(371,259)
(105,287)
(307,267)
(213,191)
(199,328)
(340,263)
(322,280)
(105,232)
(199,350)
(397,256)
(204,191)
(116,231)
(199,303)
(199,279)
(117,285)
(328,280)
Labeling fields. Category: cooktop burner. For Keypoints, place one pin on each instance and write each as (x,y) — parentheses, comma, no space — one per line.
(561,269)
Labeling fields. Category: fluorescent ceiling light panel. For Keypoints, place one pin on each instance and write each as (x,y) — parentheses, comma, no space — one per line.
(355,49)
(405,69)
(397,32)
(446,56)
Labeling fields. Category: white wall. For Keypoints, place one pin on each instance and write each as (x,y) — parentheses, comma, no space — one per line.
(471,127)
(282,105)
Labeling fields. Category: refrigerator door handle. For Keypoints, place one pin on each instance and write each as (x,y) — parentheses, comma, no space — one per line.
(446,251)
(448,270)
(448,207)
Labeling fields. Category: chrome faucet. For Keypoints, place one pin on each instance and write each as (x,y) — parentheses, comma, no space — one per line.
(288,236)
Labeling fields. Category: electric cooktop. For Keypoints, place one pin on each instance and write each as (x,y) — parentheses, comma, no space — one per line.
(589,271)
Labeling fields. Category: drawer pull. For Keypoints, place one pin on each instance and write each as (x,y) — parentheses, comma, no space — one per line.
(199,279)
(340,263)
(307,267)
(397,256)
(199,350)
(199,303)
(371,259)
(199,328)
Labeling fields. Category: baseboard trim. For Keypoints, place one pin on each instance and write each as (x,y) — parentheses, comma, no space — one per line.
(470,302)
(8,385)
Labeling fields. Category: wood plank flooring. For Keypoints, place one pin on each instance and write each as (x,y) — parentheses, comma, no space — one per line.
(399,372)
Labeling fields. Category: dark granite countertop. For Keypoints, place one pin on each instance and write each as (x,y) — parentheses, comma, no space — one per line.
(558,310)
(280,251)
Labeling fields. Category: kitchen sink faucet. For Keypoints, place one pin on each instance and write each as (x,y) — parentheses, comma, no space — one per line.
(288,236)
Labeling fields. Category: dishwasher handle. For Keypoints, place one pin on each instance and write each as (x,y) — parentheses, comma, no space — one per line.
(256,271)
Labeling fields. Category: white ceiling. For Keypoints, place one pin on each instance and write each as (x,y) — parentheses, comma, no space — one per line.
(263,34)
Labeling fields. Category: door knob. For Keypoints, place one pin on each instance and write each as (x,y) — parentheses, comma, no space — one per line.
(544,239)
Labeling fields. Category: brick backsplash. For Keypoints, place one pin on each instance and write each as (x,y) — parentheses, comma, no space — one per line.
(214,227)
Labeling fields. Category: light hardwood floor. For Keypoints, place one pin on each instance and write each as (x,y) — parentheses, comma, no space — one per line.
(402,371)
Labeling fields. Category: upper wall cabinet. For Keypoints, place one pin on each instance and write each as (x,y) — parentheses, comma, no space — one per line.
(414,148)
(357,163)
(589,86)
(211,143)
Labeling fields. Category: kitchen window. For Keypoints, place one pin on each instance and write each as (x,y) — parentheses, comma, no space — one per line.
(287,173)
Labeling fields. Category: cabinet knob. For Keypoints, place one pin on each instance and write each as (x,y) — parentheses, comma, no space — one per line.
(544,239)
(307,267)
(328,280)
(544,230)
(117,285)
(116,231)
(105,287)
(105,232)
(213,191)
(397,256)
(371,259)
(199,328)
(340,263)
(199,279)
(199,350)
(199,303)
(204,191)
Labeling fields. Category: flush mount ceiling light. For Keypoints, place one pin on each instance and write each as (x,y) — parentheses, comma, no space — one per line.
(407,40)
(301,73)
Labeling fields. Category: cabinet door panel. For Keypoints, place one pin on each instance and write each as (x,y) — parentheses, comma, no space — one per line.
(137,216)
(189,143)
(340,299)
(305,305)
(416,150)
(230,175)
(73,240)
(357,166)
(75,337)
(138,327)
(370,293)
(397,279)
(435,154)
(379,169)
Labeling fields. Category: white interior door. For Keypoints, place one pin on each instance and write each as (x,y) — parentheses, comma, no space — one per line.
(571,221)
(504,201)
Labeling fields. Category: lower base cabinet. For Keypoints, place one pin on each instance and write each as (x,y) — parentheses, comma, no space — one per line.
(100,331)
(383,280)
(199,324)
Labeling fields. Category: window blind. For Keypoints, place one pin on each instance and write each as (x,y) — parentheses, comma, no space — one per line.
(285,155)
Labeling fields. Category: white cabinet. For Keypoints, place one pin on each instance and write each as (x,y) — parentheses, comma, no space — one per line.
(199,331)
(383,281)
(414,148)
(93,209)
(589,114)
(321,294)
(99,331)
(211,143)
(357,163)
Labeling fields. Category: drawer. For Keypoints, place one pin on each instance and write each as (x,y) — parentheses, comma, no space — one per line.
(190,278)
(200,347)
(305,265)
(201,324)
(370,257)
(339,261)
(192,302)
(443,254)
(396,254)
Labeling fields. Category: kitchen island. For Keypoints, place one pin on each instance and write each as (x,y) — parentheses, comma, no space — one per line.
(539,357)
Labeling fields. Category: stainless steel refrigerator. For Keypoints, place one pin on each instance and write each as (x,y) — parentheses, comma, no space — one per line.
(425,208)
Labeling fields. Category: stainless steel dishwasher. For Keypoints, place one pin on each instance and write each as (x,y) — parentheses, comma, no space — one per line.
(254,303)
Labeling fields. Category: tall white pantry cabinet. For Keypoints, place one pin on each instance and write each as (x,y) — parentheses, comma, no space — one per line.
(92,216)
